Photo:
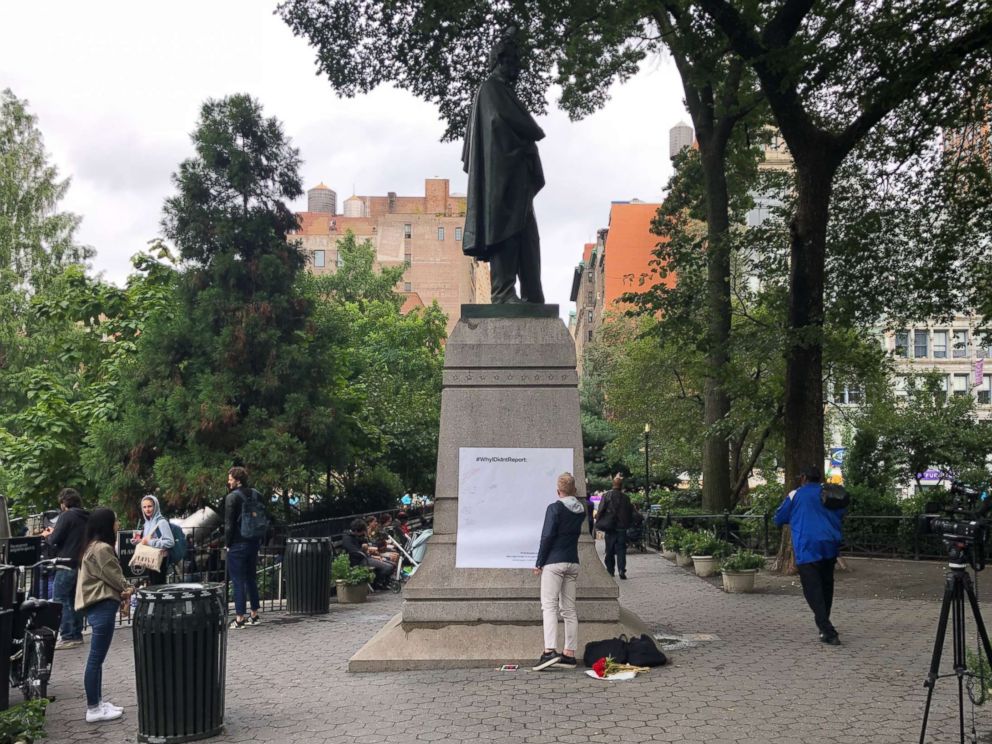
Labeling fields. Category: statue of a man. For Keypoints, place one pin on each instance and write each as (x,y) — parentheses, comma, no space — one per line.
(504,174)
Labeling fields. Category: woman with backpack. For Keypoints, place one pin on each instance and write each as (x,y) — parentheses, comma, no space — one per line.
(99,590)
(156,532)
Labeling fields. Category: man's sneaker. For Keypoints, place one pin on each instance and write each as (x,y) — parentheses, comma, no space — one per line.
(566,661)
(68,643)
(253,620)
(112,707)
(103,712)
(830,639)
(238,624)
(549,659)
(623,576)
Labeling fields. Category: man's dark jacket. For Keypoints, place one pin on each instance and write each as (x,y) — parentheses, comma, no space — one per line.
(615,511)
(234,504)
(560,534)
(503,166)
(352,545)
(69,533)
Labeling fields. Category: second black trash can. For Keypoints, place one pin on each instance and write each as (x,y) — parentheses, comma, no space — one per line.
(180,655)
(307,564)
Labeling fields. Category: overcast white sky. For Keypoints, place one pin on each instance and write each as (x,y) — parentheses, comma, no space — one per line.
(117,87)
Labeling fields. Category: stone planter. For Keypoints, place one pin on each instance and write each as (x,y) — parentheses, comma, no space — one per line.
(739,582)
(705,565)
(351,593)
(683,560)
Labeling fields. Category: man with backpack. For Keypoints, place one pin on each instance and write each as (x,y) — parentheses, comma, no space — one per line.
(816,539)
(613,518)
(245,525)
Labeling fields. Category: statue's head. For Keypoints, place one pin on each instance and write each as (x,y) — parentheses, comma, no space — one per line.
(505,55)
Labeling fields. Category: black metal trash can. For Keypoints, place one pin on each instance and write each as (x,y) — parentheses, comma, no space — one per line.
(307,564)
(180,656)
(6,631)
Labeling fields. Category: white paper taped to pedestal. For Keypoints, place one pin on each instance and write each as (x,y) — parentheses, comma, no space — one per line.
(503,493)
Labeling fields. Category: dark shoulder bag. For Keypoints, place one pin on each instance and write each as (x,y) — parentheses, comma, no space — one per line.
(834,496)
(643,652)
(613,647)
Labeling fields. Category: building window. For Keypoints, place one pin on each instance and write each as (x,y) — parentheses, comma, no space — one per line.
(985,391)
(407,287)
(589,335)
(961,384)
(942,388)
(920,339)
(940,344)
(589,315)
(848,394)
(458,233)
(407,230)
(589,275)
(318,259)
(960,344)
(900,387)
(440,233)
(408,256)
(902,343)
(589,297)
(339,260)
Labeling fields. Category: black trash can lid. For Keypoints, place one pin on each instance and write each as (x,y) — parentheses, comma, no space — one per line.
(167,592)
(298,540)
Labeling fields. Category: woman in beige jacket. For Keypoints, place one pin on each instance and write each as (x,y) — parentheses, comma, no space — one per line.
(98,593)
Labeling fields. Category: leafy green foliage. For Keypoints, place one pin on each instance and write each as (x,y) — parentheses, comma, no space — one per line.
(23,722)
(342,570)
(743,560)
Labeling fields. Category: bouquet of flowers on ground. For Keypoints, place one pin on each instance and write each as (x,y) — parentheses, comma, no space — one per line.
(607,668)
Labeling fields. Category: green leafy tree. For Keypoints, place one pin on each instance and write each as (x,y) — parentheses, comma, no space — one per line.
(36,238)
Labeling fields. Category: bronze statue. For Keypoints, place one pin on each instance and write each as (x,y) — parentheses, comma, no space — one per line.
(504,174)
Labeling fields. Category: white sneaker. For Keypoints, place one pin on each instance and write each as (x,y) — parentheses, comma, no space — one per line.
(111,706)
(103,712)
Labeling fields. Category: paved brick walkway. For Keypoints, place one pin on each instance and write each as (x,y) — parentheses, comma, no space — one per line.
(766,679)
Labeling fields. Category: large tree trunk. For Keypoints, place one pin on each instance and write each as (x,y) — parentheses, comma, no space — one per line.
(716,402)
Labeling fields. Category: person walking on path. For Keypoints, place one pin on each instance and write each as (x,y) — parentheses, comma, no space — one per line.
(157,533)
(612,519)
(99,591)
(242,552)
(816,539)
(66,539)
(558,566)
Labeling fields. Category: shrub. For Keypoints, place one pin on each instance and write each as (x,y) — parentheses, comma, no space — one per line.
(342,570)
(743,560)
(25,722)
(677,538)
(707,543)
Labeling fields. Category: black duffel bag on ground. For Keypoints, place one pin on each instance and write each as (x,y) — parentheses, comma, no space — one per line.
(616,648)
(643,652)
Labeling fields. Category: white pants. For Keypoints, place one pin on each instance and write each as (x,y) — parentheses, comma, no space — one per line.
(558,596)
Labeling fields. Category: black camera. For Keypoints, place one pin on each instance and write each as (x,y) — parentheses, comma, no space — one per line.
(963,524)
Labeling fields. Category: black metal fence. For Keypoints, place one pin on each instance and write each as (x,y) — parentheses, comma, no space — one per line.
(205,559)
(870,536)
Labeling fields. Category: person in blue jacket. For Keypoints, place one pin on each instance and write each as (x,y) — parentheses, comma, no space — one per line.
(816,539)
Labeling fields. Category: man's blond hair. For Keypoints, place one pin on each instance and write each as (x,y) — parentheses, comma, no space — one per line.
(566,484)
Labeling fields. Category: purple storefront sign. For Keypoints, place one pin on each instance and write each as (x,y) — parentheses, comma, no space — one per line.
(932,474)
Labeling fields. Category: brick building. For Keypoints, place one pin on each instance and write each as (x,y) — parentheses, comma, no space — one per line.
(422,232)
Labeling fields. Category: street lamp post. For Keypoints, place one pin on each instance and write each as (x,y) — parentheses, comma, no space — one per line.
(647,468)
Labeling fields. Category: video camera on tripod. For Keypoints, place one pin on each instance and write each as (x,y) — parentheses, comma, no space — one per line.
(963,525)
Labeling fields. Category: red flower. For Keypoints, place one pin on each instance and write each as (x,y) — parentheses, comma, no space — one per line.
(600,668)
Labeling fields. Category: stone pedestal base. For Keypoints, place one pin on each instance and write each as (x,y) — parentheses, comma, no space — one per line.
(403,647)
(509,381)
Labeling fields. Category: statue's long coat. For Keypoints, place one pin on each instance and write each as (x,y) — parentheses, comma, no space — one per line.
(504,169)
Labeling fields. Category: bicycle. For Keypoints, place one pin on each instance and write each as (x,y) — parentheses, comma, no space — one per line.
(35,629)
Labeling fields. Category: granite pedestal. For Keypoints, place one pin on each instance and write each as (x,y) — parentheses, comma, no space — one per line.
(509,381)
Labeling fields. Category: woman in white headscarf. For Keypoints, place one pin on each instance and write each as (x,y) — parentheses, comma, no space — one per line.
(157,533)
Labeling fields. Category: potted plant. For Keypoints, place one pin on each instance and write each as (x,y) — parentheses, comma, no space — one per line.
(674,536)
(740,569)
(707,550)
(352,582)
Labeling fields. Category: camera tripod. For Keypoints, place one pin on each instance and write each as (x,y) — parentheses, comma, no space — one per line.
(957,584)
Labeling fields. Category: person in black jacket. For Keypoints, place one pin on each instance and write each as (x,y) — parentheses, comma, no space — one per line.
(558,566)
(613,519)
(356,544)
(242,552)
(66,539)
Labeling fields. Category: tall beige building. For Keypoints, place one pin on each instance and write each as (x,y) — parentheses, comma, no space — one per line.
(422,232)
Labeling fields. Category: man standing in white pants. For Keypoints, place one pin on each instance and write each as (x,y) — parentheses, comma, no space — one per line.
(558,566)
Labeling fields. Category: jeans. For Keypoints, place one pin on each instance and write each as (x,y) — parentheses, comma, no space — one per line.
(818,587)
(101,617)
(242,567)
(616,549)
(558,597)
(64,593)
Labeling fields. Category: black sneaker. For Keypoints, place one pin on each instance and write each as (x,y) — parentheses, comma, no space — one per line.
(549,659)
(623,576)
(830,639)
(253,620)
(566,661)
(238,624)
